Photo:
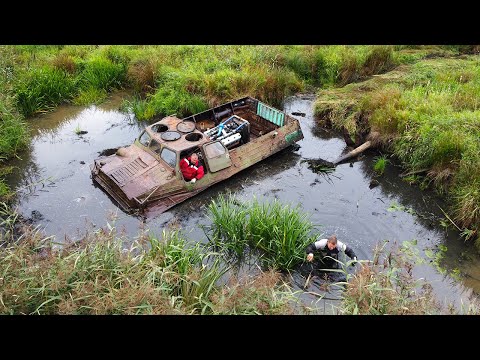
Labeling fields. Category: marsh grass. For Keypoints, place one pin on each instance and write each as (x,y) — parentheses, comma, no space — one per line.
(382,107)
(379,59)
(184,273)
(139,107)
(102,74)
(9,220)
(228,231)
(265,294)
(13,138)
(167,101)
(141,75)
(386,285)
(101,274)
(467,208)
(43,89)
(65,62)
(90,95)
(364,62)
(279,231)
(5,192)
(13,132)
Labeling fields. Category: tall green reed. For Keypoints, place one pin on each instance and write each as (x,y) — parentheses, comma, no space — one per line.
(280,232)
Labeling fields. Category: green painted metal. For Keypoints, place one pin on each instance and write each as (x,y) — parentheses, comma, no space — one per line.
(293,136)
(218,162)
(270,114)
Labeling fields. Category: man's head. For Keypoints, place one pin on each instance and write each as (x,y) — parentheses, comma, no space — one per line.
(194,157)
(332,242)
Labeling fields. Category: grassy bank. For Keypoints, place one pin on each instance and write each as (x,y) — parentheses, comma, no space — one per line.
(427,114)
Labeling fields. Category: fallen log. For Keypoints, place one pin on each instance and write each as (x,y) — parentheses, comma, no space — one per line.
(354,152)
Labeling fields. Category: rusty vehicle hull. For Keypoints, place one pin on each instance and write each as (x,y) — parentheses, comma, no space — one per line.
(229,138)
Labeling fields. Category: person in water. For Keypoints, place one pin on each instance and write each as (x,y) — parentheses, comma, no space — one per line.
(328,249)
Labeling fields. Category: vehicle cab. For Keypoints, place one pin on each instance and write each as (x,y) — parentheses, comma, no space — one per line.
(169,147)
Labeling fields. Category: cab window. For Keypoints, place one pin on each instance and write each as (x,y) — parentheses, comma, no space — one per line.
(144,138)
(169,156)
(155,146)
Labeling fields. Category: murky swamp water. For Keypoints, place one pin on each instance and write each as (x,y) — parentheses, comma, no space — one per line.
(55,190)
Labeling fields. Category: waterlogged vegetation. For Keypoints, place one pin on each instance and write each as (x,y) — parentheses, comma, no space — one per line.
(280,232)
(423,108)
(386,286)
(152,276)
(106,273)
(380,165)
(427,115)
(396,207)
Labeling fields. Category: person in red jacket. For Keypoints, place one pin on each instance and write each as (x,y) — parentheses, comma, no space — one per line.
(190,169)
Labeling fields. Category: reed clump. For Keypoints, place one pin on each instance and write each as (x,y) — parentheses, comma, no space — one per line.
(280,232)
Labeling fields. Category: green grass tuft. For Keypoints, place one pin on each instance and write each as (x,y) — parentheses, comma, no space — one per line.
(102,74)
(42,90)
(89,96)
(380,164)
(280,232)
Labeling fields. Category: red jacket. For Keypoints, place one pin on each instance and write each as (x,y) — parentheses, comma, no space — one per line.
(190,170)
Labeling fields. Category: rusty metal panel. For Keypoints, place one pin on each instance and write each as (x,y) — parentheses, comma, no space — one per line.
(273,115)
(124,173)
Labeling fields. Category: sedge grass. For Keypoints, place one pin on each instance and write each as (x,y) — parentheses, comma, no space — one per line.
(280,232)
(43,89)
(102,275)
(386,286)
(380,165)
